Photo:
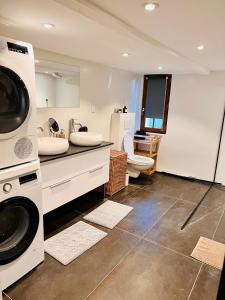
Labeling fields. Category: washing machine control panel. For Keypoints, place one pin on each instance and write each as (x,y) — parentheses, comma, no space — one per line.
(17,48)
(7,187)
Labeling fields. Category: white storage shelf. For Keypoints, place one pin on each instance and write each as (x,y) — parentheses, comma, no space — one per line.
(67,178)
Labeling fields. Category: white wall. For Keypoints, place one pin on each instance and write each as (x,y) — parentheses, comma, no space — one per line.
(68,92)
(189,147)
(195,113)
(196,107)
(102,89)
(60,92)
(45,88)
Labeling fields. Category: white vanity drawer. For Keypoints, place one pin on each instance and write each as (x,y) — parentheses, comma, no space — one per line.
(68,189)
(70,166)
(97,176)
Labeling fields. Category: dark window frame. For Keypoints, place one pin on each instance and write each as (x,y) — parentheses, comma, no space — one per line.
(166,107)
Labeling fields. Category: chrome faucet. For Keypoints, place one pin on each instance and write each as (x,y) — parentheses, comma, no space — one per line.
(73,125)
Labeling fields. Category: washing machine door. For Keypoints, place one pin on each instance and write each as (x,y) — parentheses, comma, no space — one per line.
(19,221)
(14,103)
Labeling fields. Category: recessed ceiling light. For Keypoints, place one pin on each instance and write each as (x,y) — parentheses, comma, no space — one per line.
(48,25)
(125,54)
(201,47)
(36,61)
(151,6)
(160,68)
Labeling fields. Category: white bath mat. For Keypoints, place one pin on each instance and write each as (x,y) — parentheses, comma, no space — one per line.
(109,214)
(209,252)
(73,241)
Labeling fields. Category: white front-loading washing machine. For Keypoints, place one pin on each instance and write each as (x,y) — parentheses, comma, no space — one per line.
(21,222)
(18,141)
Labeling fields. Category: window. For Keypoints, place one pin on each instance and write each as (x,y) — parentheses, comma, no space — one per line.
(155,103)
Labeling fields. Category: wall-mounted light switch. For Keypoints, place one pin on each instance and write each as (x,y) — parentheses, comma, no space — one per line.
(92,108)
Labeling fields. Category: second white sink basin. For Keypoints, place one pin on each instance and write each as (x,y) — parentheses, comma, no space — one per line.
(86,138)
(52,145)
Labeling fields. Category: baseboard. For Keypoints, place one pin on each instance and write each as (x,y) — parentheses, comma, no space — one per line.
(207,182)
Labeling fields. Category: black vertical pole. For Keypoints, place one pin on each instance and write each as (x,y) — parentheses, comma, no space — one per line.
(214,176)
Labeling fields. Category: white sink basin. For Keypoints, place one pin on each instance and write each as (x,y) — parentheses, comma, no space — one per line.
(52,145)
(86,138)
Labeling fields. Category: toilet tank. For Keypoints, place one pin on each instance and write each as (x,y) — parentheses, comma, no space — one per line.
(121,124)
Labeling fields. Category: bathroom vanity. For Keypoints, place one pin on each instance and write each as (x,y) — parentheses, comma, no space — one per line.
(69,175)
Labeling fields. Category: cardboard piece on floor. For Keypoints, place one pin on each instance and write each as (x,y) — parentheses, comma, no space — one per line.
(209,252)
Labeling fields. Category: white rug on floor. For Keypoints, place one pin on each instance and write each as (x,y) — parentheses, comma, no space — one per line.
(109,214)
(209,252)
(73,241)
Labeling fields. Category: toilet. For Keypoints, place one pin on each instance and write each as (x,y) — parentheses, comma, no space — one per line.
(135,163)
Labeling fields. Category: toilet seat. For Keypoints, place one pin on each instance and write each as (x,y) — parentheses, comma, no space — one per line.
(140,160)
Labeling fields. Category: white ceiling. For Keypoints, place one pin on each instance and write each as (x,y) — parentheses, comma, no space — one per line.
(101,30)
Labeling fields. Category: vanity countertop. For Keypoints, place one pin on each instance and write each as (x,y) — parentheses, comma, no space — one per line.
(73,150)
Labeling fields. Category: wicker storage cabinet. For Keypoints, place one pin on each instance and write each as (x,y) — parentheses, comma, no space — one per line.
(117,173)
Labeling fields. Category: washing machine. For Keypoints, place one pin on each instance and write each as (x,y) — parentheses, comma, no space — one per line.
(21,222)
(18,142)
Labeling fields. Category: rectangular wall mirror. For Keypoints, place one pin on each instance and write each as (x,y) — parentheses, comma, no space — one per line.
(57,85)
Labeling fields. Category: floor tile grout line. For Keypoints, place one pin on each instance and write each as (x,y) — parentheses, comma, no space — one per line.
(110,272)
(158,219)
(177,198)
(111,199)
(204,216)
(133,234)
(145,233)
(147,190)
(133,192)
(203,263)
(137,187)
(162,193)
(163,246)
(170,249)
(7,296)
(218,223)
(133,249)
(128,195)
(142,238)
(193,203)
(196,279)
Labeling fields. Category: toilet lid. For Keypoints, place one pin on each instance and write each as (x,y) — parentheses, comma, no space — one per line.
(128,144)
